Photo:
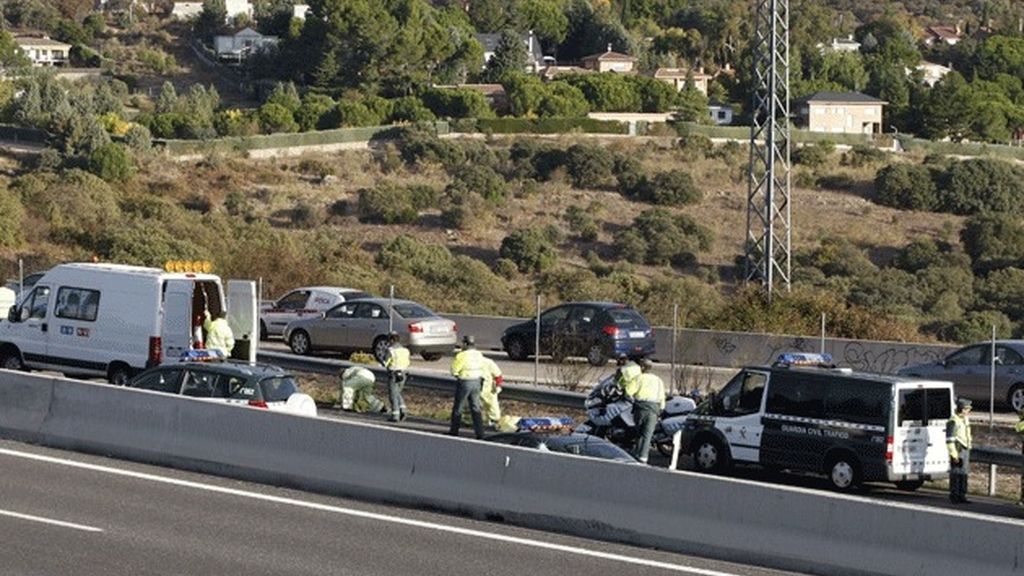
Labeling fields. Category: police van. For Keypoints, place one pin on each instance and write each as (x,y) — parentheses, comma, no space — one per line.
(801,414)
(305,302)
(112,321)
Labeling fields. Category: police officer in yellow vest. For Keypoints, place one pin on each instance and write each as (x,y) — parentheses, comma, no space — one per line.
(648,394)
(492,381)
(218,333)
(356,392)
(468,368)
(958,443)
(1019,428)
(627,371)
(396,361)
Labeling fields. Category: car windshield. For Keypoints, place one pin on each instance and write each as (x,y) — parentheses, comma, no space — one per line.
(627,318)
(412,311)
(278,388)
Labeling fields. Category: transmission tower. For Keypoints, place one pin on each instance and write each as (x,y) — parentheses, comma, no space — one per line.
(768,210)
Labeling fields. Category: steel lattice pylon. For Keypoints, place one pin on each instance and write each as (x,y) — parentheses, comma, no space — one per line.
(768,210)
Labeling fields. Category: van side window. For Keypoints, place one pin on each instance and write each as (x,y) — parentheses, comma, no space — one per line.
(860,402)
(294,301)
(77,304)
(796,397)
(742,395)
(39,301)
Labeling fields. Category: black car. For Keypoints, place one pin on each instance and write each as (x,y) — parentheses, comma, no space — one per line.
(596,330)
(578,444)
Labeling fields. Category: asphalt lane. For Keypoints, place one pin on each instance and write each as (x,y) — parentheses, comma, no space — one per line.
(68,513)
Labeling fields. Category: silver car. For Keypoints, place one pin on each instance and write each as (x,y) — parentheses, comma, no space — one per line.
(363,325)
(969,368)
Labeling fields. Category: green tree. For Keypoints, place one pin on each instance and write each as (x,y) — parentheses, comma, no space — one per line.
(529,248)
(313,112)
(10,54)
(211,19)
(111,162)
(276,118)
(546,18)
(509,57)
(906,186)
(12,215)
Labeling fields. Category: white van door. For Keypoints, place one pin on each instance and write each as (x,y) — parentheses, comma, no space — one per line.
(738,408)
(34,327)
(243,319)
(919,434)
(176,332)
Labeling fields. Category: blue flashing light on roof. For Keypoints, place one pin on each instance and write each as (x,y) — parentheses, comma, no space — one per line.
(545,423)
(804,359)
(202,356)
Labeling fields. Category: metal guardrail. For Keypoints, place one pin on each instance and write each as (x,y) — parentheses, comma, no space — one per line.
(997,456)
(516,392)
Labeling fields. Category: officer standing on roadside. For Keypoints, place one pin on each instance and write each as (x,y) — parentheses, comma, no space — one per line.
(468,368)
(396,361)
(1019,428)
(627,370)
(492,382)
(958,443)
(648,394)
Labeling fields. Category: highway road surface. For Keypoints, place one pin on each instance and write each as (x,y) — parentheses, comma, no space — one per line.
(69,513)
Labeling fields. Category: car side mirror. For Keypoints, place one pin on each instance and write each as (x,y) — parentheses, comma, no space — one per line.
(13,315)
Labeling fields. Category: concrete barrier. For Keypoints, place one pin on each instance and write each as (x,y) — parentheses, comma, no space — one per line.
(735,349)
(785,527)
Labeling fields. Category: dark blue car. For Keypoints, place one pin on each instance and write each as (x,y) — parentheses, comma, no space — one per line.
(595,330)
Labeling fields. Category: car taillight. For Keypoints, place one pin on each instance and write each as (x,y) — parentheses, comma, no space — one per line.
(415,327)
(156,352)
(455,327)
(888,449)
(611,330)
(257,403)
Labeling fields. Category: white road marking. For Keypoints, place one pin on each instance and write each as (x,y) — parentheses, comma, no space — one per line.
(373,516)
(50,521)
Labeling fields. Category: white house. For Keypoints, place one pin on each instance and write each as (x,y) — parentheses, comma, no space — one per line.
(534,57)
(233,8)
(238,46)
(931,73)
(610,61)
(677,77)
(186,10)
(720,114)
(948,35)
(44,51)
(840,112)
(847,44)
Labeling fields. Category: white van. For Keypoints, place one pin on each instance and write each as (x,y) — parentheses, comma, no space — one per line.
(305,302)
(851,427)
(112,320)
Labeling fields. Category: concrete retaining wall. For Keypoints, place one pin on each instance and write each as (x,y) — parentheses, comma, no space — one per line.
(734,349)
(725,518)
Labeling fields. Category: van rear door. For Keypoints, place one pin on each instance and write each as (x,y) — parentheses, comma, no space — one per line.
(919,434)
(243,319)
(176,332)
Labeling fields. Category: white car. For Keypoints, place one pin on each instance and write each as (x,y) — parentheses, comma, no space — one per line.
(305,302)
(256,385)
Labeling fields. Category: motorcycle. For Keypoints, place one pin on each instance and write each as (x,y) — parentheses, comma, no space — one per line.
(610,416)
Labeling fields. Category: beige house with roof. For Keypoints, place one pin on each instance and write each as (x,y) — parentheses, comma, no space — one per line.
(610,61)
(840,113)
(44,51)
(677,78)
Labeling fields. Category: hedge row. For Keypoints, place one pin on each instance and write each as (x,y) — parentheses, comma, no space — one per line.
(22,134)
(550,126)
(283,140)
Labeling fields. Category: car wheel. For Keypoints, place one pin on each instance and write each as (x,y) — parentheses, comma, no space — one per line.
(843,472)
(431,356)
(119,374)
(516,348)
(1016,397)
(380,348)
(596,356)
(11,360)
(299,343)
(909,485)
(709,456)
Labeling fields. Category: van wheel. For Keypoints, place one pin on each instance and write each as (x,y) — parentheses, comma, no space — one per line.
(909,485)
(709,456)
(1016,397)
(119,374)
(431,356)
(596,356)
(11,360)
(843,472)
(299,343)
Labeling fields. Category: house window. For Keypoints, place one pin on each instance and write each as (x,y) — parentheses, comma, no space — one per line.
(721,114)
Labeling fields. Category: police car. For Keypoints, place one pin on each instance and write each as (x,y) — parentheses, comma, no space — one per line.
(305,302)
(203,374)
(803,414)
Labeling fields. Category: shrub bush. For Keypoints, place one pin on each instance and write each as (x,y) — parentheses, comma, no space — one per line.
(480,180)
(275,118)
(665,238)
(386,203)
(354,113)
(905,186)
(112,163)
(12,214)
(457,103)
(410,109)
(694,146)
(589,166)
(981,184)
(529,248)
(861,155)
(673,188)
(582,223)
(976,326)
(993,240)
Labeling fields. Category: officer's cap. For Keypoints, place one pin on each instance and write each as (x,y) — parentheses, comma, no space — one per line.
(963,404)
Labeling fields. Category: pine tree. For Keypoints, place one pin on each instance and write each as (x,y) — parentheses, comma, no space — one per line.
(509,57)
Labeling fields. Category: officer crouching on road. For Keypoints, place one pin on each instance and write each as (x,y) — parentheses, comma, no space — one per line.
(648,394)
(396,361)
(958,443)
(468,368)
